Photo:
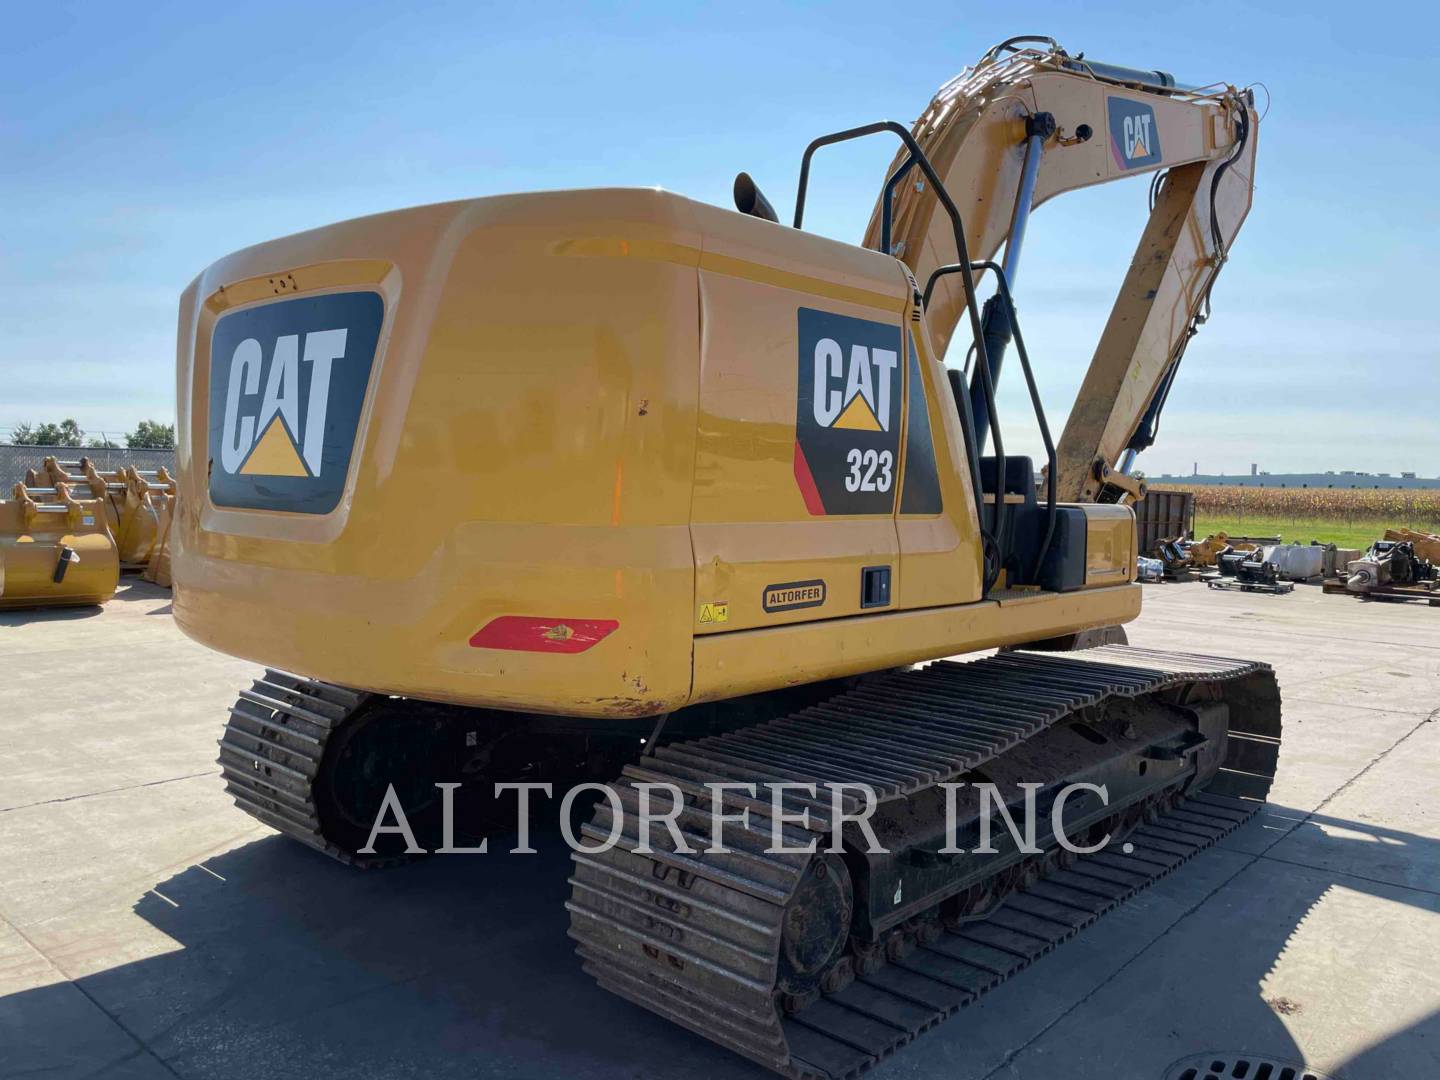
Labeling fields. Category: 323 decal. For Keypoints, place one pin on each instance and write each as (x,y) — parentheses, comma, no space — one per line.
(869,470)
(847,413)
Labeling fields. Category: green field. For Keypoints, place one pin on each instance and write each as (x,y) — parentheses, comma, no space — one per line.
(1358,534)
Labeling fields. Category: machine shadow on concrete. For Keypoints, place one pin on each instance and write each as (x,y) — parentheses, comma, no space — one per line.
(285,964)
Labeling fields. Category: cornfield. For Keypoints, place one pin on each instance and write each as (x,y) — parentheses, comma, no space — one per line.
(1416,506)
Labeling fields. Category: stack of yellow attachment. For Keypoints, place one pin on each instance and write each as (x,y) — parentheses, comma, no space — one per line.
(55,549)
(157,569)
(84,482)
(136,505)
(137,531)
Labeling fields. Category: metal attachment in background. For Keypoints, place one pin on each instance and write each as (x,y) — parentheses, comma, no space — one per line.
(1249,571)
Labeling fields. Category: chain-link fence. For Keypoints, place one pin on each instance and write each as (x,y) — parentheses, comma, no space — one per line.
(14,460)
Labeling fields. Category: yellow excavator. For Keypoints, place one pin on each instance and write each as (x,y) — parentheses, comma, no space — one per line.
(501,489)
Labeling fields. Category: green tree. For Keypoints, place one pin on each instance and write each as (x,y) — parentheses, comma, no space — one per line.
(102,443)
(151,435)
(65,433)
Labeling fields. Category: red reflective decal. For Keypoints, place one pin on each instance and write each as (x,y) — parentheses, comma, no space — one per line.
(525,633)
(806,481)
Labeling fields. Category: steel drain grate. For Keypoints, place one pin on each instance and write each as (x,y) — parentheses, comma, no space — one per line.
(1240,1067)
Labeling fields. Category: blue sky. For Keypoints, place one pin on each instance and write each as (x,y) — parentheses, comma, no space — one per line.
(141,142)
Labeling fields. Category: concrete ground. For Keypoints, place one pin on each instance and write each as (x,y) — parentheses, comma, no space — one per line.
(149,929)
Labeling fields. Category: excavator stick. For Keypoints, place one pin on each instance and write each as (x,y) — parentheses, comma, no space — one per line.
(55,550)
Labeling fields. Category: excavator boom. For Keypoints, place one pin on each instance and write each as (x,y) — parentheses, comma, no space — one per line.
(1027,124)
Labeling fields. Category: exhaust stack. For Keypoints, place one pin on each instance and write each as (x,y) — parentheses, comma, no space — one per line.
(750,200)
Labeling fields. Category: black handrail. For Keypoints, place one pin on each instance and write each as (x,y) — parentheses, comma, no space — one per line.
(1003,289)
(918,157)
(961,396)
(887,204)
(967,431)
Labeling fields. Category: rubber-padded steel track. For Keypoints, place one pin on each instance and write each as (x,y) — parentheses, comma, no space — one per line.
(271,751)
(696,938)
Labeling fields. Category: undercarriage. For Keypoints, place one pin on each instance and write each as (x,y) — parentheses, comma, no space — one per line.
(1016,799)
(821,963)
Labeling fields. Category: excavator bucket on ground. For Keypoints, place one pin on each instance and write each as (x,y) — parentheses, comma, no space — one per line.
(55,550)
(157,569)
(138,514)
(135,504)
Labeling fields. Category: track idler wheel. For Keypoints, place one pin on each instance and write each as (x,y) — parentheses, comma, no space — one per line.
(815,928)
